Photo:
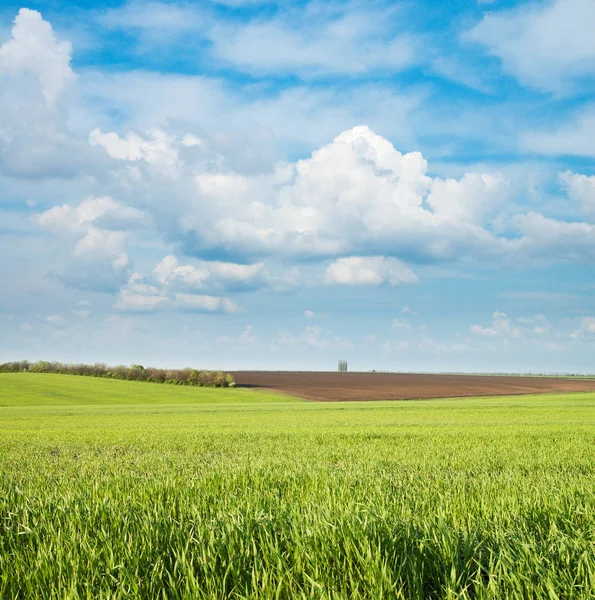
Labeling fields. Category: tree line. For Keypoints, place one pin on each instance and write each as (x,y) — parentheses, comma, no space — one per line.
(131,373)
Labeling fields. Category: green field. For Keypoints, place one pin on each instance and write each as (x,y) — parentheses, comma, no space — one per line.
(116,489)
(38,389)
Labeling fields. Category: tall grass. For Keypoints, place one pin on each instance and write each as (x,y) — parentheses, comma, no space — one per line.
(490,498)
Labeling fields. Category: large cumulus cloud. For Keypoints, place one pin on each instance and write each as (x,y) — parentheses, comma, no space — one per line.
(356,206)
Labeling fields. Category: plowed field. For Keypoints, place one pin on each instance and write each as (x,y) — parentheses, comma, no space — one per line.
(403,386)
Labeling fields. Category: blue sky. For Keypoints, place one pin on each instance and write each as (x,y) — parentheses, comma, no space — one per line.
(255,184)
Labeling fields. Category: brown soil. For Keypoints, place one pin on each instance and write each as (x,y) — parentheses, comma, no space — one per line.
(403,386)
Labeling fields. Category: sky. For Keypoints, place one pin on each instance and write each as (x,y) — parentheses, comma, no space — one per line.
(252,184)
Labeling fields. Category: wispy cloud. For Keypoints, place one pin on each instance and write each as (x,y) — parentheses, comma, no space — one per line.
(548,46)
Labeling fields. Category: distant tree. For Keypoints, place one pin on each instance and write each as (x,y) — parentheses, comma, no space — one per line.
(219,379)
(132,373)
(342,366)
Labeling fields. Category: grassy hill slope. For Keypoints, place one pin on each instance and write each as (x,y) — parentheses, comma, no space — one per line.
(41,389)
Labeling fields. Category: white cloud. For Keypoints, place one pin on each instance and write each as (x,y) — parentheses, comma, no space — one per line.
(155,147)
(204,303)
(313,42)
(190,159)
(34,49)
(370,270)
(131,301)
(310,41)
(546,45)
(581,189)
(539,322)
(94,235)
(167,270)
(355,194)
(501,322)
(401,325)
(99,262)
(545,239)
(101,212)
(586,326)
(487,331)
(356,201)
(576,137)
(211,274)
(190,140)
(226,118)
(101,243)
(173,287)
(502,327)
(36,82)
(467,199)
(161,20)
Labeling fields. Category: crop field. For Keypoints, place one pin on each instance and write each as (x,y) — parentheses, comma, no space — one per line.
(405,386)
(117,489)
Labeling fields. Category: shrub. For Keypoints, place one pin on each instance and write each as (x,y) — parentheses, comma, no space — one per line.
(219,379)
(133,373)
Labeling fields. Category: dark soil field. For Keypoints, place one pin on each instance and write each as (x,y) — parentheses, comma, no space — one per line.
(403,386)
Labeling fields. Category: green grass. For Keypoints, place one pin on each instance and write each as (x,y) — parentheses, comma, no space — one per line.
(40,389)
(232,496)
